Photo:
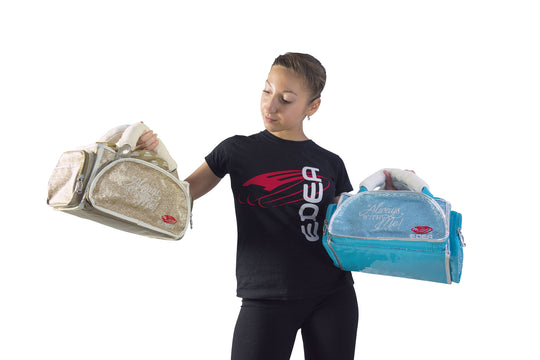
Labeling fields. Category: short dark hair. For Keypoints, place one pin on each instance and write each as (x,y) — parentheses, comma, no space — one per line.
(306,66)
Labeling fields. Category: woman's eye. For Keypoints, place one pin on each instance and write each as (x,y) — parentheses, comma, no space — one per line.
(282,99)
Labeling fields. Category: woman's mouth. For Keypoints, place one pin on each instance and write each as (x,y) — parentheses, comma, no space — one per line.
(267,119)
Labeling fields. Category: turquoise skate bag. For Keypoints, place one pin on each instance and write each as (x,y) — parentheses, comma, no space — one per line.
(408,233)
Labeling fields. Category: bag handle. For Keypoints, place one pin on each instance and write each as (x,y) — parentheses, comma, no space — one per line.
(131,135)
(403,180)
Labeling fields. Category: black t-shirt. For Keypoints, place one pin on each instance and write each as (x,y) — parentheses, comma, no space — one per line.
(281,191)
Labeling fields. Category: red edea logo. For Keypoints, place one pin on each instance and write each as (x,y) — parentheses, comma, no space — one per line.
(168,219)
(421,230)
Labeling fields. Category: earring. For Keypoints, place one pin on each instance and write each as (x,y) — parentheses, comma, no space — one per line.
(308,117)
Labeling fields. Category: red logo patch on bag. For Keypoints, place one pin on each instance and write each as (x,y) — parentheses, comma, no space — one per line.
(168,219)
(421,229)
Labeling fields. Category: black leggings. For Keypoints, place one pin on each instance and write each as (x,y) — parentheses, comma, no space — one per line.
(266,329)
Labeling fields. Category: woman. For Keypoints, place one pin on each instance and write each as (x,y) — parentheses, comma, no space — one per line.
(282,184)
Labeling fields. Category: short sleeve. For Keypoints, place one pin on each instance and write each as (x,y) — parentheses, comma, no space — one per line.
(218,159)
(343,184)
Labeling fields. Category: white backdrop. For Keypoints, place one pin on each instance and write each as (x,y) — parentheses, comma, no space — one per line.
(448,88)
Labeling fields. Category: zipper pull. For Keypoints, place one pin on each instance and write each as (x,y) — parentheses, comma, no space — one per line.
(461,238)
(79,184)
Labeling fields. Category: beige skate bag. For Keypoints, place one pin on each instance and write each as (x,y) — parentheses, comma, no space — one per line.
(133,191)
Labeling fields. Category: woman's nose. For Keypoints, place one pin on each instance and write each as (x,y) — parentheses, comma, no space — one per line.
(270,105)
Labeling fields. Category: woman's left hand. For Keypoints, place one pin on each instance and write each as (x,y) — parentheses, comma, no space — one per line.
(389,184)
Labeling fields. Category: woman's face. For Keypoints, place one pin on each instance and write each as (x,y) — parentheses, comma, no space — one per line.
(285,102)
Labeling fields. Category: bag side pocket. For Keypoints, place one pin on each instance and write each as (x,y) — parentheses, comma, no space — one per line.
(456,246)
(68,181)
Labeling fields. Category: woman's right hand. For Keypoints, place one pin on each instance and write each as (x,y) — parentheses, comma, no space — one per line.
(147,141)
(389,183)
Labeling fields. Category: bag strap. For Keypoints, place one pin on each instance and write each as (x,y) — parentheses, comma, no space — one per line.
(130,136)
(403,180)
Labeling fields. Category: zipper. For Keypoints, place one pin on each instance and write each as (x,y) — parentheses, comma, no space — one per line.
(447,264)
(85,172)
(435,241)
(329,243)
(82,178)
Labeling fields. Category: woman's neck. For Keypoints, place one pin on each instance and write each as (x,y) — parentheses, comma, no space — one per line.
(290,135)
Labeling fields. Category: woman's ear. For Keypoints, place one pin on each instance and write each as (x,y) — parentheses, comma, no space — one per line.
(313,107)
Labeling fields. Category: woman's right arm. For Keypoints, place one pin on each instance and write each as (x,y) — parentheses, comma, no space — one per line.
(202,181)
